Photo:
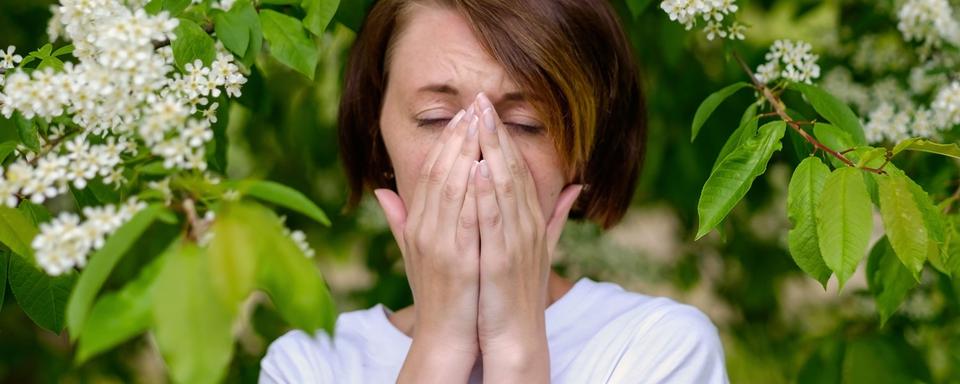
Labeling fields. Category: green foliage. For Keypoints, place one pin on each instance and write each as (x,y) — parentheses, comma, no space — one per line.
(118,316)
(16,232)
(834,110)
(903,221)
(42,297)
(289,43)
(192,326)
(922,145)
(319,14)
(192,43)
(735,173)
(710,104)
(803,195)
(102,263)
(283,196)
(889,280)
(844,221)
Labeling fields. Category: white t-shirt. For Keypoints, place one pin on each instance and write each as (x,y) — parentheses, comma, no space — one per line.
(596,333)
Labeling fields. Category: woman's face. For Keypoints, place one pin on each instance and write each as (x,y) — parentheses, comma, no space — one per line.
(436,69)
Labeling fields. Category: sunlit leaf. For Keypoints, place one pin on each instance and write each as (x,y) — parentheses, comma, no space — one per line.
(923,145)
(844,221)
(802,197)
(735,174)
(284,196)
(102,263)
(319,14)
(903,221)
(747,128)
(192,327)
(16,232)
(192,43)
(118,316)
(234,252)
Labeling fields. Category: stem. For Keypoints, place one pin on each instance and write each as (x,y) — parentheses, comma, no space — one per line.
(192,219)
(781,110)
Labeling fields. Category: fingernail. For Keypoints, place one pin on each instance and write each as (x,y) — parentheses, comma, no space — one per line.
(488,120)
(456,119)
(484,170)
(483,101)
(472,129)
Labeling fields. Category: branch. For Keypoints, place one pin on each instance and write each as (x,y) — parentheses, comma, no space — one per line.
(781,110)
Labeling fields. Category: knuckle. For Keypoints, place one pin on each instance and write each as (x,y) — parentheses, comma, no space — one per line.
(491,219)
(506,188)
(451,193)
(517,168)
(468,222)
(437,174)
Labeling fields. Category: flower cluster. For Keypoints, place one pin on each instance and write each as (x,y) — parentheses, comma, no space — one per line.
(929,22)
(712,12)
(791,60)
(8,60)
(123,92)
(65,242)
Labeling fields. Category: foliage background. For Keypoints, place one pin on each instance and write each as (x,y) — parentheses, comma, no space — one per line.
(777,324)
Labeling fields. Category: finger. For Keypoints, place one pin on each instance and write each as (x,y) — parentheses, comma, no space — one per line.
(395,212)
(489,215)
(419,192)
(514,159)
(438,192)
(503,183)
(468,235)
(453,193)
(561,212)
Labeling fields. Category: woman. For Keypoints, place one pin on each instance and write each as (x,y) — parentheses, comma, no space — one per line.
(479,123)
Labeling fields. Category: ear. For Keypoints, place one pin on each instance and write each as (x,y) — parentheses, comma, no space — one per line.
(560,212)
(394,210)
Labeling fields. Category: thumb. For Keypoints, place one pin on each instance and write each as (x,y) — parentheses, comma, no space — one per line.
(394,210)
(560,212)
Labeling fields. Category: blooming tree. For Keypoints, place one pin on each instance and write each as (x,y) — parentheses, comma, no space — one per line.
(850,168)
(128,116)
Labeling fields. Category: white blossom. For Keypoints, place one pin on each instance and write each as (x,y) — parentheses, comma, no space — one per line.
(8,59)
(65,242)
(713,12)
(791,60)
(929,22)
(946,105)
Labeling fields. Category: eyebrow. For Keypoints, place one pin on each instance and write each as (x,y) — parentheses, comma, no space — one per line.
(450,90)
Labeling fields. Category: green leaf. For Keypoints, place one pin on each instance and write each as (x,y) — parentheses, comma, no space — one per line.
(51,62)
(824,365)
(42,297)
(289,43)
(888,279)
(319,14)
(235,251)
(951,250)
(903,221)
(36,213)
(232,28)
(844,221)
(102,262)
(192,327)
(292,281)
(833,137)
(251,19)
(280,2)
(27,131)
(803,194)
(6,148)
(883,359)
(834,110)
(735,174)
(748,128)
(637,7)
(192,43)
(922,145)
(118,316)
(17,232)
(710,104)
(284,196)
(869,156)
(66,49)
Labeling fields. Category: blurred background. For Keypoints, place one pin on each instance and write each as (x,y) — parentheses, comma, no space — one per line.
(777,324)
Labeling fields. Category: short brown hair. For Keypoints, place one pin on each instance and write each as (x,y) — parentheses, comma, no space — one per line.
(571,55)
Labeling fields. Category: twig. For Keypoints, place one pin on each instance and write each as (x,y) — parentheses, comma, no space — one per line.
(192,221)
(781,111)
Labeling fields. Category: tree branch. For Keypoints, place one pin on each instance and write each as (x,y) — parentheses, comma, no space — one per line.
(781,110)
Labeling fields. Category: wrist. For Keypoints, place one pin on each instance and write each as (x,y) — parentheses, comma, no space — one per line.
(430,360)
(525,362)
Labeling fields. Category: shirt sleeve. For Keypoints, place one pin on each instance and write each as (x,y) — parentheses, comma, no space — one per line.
(677,344)
(296,357)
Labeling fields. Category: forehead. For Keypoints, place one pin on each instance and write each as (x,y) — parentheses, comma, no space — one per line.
(438,46)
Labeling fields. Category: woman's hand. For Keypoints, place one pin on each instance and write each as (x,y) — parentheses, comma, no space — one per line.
(516,245)
(440,243)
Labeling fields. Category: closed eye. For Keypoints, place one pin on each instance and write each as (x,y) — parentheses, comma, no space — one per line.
(434,123)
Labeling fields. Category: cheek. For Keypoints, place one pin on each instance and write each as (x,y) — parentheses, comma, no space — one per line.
(547,173)
(407,151)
